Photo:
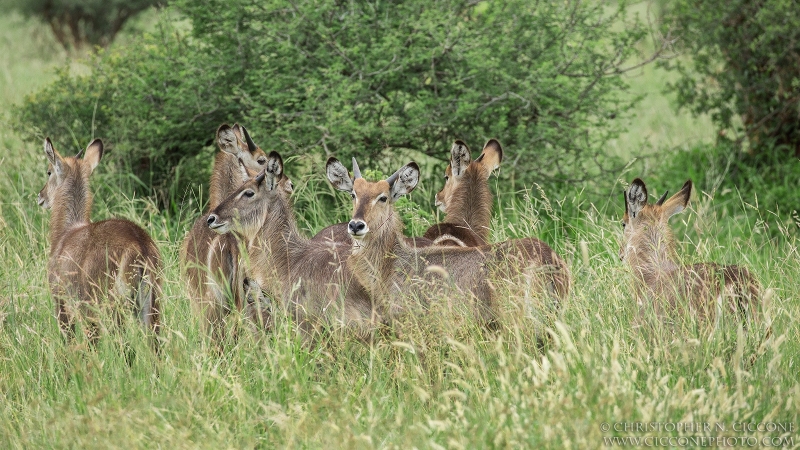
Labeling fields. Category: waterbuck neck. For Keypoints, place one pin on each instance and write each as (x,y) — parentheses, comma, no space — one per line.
(71,204)
(277,239)
(373,258)
(226,177)
(651,253)
(471,202)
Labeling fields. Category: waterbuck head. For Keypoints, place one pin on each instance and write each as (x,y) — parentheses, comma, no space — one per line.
(236,141)
(68,172)
(461,163)
(373,202)
(646,235)
(245,211)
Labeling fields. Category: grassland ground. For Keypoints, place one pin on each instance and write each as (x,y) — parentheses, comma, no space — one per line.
(443,382)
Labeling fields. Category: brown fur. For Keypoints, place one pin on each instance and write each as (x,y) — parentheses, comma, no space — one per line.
(698,290)
(466,198)
(89,263)
(211,263)
(311,278)
(392,271)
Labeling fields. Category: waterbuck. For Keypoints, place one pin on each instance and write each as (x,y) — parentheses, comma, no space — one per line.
(111,264)
(211,262)
(390,270)
(466,198)
(705,290)
(309,278)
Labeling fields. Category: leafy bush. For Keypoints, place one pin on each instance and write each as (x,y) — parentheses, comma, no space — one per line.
(744,66)
(377,79)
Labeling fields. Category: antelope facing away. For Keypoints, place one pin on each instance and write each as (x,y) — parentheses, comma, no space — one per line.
(704,290)
(311,278)
(90,263)
(212,265)
(389,269)
(466,198)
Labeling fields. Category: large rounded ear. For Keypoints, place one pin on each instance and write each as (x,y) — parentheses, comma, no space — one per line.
(53,157)
(93,153)
(273,170)
(227,139)
(678,202)
(338,175)
(491,157)
(404,180)
(635,198)
(460,158)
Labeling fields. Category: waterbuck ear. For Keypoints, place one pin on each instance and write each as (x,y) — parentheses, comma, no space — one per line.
(93,153)
(635,198)
(288,186)
(491,157)
(227,139)
(459,158)
(404,180)
(338,175)
(678,202)
(273,170)
(53,157)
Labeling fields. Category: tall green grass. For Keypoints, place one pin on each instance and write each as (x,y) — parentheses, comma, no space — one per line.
(441,383)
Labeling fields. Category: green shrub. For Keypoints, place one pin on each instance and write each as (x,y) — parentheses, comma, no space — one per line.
(377,79)
(737,184)
(743,69)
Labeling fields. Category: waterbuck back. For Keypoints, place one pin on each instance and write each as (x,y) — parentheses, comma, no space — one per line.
(110,265)
(705,291)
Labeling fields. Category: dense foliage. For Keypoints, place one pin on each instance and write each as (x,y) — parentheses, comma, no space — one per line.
(77,23)
(745,66)
(369,78)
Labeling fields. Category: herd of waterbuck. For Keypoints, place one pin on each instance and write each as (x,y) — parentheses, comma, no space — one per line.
(246,253)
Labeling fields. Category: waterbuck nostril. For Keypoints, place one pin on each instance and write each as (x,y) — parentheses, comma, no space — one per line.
(356,226)
(212,218)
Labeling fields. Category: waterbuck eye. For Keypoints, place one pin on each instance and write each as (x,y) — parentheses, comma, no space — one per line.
(383,198)
(49,173)
(249,193)
(446,178)
(353,195)
(261,161)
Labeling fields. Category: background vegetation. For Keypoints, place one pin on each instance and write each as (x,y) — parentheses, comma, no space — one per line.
(444,383)
(368,78)
(744,72)
(77,24)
